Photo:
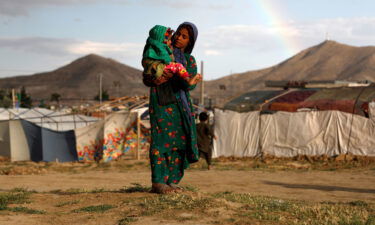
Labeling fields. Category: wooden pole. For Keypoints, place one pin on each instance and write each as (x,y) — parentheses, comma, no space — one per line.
(100,88)
(138,135)
(13,98)
(202,87)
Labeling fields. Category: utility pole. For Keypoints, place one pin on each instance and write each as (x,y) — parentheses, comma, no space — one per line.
(100,87)
(13,98)
(202,87)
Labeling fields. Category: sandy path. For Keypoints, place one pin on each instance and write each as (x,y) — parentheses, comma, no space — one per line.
(306,185)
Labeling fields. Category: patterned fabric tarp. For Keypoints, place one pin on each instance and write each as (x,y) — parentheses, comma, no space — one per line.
(107,139)
(115,129)
(131,140)
(89,141)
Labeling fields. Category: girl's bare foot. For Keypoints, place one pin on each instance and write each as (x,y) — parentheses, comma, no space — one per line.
(161,188)
(176,188)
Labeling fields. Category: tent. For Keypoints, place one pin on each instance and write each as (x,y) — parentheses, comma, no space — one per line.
(105,139)
(286,134)
(49,145)
(39,134)
(345,99)
(252,100)
(13,142)
(46,118)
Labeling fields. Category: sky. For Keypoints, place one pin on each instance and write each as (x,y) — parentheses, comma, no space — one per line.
(235,36)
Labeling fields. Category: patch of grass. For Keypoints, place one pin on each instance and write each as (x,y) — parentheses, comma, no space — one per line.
(127,220)
(94,208)
(259,202)
(26,210)
(135,188)
(73,191)
(23,190)
(140,163)
(6,170)
(185,218)
(61,204)
(103,165)
(358,203)
(370,220)
(270,209)
(124,167)
(13,198)
(153,205)
(190,188)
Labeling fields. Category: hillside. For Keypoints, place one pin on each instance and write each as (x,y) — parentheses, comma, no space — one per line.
(329,60)
(80,80)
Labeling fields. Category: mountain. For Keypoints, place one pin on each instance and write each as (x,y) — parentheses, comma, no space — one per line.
(329,60)
(80,80)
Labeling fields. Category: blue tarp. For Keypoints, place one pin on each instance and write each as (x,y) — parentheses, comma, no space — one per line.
(48,145)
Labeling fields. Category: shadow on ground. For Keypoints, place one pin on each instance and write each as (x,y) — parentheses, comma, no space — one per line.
(320,187)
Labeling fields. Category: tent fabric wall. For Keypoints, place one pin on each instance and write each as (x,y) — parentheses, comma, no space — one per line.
(303,133)
(89,141)
(47,118)
(285,134)
(115,129)
(13,142)
(371,110)
(104,139)
(4,139)
(237,134)
(18,142)
(48,145)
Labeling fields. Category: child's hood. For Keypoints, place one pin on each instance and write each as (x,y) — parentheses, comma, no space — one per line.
(157,33)
(155,47)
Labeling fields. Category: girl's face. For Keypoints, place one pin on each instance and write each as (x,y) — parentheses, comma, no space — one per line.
(182,38)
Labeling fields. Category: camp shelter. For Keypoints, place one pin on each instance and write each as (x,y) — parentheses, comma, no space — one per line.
(252,100)
(106,139)
(18,143)
(345,99)
(287,134)
(46,118)
(13,143)
(48,145)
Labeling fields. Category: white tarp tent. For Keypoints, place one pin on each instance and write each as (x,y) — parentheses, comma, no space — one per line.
(286,134)
(13,143)
(13,140)
(46,118)
(238,134)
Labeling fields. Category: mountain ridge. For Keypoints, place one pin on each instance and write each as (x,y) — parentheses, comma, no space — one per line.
(328,60)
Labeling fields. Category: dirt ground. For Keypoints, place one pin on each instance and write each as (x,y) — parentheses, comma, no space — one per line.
(59,189)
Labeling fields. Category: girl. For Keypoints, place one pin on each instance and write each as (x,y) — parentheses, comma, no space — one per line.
(173,131)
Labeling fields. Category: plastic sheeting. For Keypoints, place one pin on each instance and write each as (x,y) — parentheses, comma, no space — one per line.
(115,129)
(47,118)
(13,143)
(286,134)
(371,110)
(48,145)
(238,134)
(89,141)
(105,139)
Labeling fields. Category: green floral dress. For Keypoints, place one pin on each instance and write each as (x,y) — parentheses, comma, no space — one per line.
(173,137)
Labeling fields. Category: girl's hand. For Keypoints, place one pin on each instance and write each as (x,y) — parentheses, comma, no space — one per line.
(168,74)
(196,79)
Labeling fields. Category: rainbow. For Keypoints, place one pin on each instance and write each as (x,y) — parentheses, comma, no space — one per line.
(271,12)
